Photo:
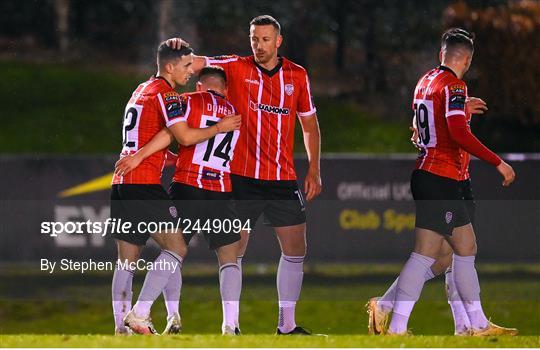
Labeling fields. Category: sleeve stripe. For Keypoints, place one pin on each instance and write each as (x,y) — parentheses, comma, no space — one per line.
(188,108)
(163,110)
(306,114)
(451,113)
(210,61)
(446,96)
(309,94)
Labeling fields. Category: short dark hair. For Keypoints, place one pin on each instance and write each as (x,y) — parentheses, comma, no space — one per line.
(263,20)
(166,54)
(457,37)
(213,71)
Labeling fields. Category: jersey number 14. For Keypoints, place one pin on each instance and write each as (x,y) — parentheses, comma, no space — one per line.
(217,151)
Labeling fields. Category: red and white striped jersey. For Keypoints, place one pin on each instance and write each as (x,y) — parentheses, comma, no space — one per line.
(152,106)
(269,102)
(439,94)
(207,164)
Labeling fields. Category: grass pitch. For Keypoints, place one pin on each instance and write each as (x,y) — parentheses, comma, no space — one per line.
(260,340)
(73,310)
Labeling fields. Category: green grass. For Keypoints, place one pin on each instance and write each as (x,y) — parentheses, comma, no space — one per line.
(62,109)
(268,341)
(71,110)
(68,309)
(346,127)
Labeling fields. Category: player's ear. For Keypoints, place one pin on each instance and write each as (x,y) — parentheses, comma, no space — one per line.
(441,55)
(198,87)
(279,41)
(468,61)
(169,67)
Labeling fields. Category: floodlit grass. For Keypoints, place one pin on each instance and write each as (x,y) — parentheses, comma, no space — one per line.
(211,341)
(73,310)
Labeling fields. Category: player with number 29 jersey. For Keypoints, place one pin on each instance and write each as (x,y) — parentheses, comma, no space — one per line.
(440,96)
(207,165)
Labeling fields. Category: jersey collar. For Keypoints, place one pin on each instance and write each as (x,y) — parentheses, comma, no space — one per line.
(441,67)
(274,70)
(160,77)
(213,92)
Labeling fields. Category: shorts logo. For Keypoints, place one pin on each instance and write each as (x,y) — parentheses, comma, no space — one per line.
(173,212)
(289,89)
(299,195)
(448,217)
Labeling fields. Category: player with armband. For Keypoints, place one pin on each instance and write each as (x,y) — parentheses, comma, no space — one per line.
(272,93)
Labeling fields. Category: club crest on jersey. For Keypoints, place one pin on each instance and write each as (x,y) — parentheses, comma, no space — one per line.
(448,217)
(268,108)
(289,89)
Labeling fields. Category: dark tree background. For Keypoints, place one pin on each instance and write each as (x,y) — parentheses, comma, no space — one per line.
(370,52)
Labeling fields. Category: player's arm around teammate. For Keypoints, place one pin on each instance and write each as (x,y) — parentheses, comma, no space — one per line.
(184,135)
(270,91)
(153,104)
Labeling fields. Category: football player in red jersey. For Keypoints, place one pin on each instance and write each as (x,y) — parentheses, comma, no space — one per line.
(139,198)
(201,187)
(380,308)
(441,191)
(270,91)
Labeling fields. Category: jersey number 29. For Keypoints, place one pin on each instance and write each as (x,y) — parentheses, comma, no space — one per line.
(423,110)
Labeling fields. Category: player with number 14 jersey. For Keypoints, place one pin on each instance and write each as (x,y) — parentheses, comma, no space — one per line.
(207,165)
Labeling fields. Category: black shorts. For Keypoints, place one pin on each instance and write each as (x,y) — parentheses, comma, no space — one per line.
(281,202)
(441,203)
(198,207)
(137,204)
